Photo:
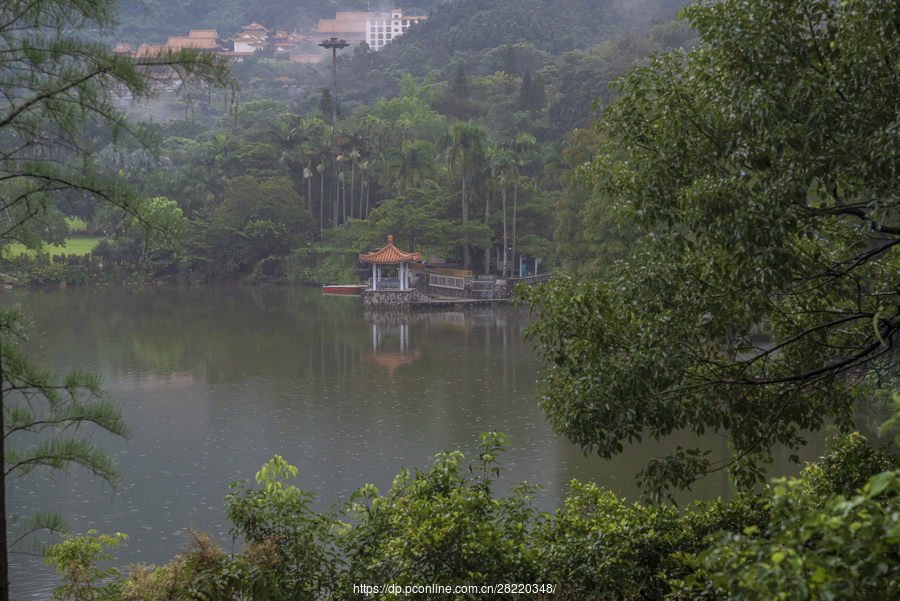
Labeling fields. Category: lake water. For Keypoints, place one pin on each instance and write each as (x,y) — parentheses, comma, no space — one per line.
(214,381)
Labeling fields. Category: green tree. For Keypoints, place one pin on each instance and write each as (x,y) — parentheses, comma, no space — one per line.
(326,104)
(280,517)
(521,146)
(459,84)
(509,68)
(58,91)
(219,154)
(258,219)
(504,163)
(590,238)
(412,166)
(412,225)
(46,423)
(763,166)
(465,146)
(526,92)
(259,115)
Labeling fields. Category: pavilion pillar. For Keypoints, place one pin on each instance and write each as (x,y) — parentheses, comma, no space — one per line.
(402,277)
(374,276)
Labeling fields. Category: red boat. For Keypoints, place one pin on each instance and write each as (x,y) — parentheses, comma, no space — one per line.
(347,289)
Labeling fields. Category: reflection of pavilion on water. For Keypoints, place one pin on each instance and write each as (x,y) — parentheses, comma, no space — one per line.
(384,349)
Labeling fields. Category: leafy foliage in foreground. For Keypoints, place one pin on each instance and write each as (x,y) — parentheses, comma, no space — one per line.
(831,534)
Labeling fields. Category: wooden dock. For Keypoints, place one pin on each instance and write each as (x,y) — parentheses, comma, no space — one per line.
(460,302)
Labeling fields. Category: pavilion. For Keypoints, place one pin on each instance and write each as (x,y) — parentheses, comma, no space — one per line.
(387,256)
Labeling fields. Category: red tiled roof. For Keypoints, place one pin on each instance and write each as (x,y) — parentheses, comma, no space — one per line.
(147,50)
(390,254)
(196,42)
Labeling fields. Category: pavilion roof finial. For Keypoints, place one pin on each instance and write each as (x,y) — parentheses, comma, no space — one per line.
(390,254)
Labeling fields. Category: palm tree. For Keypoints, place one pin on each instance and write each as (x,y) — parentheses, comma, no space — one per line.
(218,154)
(354,157)
(548,164)
(285,138)
(465,146)
(306,153)
(209,184)
(375,130)
(413,166)
(404,129)
(520,146)
(341,159)
(504,162)
(308,135)
(363,183)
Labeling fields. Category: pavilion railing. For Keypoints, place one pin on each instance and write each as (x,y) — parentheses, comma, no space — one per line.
(389,283)
(444,281)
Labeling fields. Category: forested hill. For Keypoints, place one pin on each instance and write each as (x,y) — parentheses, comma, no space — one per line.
(552,26)
(457,25)
(153,21)
(513,65)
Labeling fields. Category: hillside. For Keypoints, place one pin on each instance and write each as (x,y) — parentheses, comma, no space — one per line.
(536,70)
(153,21)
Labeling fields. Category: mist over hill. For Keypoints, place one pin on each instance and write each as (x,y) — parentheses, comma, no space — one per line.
(456,25)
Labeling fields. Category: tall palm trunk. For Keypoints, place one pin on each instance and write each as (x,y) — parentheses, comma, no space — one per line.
(487,251)
(515,210)
(505,254)
(362,185)
(465,218)
(309,198)
(352,179)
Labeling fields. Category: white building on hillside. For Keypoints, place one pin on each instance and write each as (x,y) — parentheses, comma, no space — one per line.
(384,27)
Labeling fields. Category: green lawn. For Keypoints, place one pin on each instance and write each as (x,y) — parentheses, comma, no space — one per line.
(79,245)
(75,224)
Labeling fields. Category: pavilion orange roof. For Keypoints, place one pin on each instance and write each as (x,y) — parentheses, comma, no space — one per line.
(390,254)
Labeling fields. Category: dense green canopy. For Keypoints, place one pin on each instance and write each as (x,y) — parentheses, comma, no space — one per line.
(762,167)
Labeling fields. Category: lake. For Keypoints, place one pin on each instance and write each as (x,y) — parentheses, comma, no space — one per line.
(216,380)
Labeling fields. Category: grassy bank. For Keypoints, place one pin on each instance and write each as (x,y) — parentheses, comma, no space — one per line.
(77,245)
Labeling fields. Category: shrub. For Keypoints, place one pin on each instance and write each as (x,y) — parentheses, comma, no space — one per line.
(832,534)
(300,542)
(43,274)
(76,274)
(444,527)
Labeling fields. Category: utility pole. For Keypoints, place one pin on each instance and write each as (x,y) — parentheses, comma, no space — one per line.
(334,44)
